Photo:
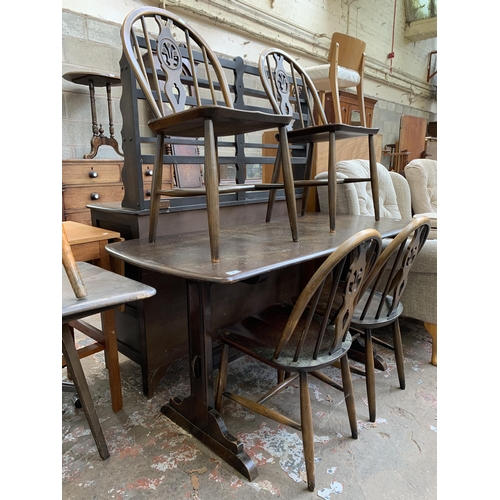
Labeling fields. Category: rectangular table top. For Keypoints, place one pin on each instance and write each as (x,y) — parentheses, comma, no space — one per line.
(105,290)
(247,250)
(83,233)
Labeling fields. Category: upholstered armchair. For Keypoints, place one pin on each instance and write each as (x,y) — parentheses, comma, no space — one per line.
(421,175)
(420,296)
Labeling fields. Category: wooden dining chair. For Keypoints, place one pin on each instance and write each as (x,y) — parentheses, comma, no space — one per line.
(347,66)
(155,43)
(296,340)
(89,290)
(292,92)
(380,303)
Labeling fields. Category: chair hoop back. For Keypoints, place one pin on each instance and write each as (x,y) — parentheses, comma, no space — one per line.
(289,88)
(390,274)
(159,47)
(348,267)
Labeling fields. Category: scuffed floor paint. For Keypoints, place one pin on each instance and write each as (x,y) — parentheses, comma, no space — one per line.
(281,444)
(335,488)
(151,457)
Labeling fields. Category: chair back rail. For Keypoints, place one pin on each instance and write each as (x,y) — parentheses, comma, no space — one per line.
(290,89)
(390,274)
(160,47)
(240,155)
(351,55)
(353,261)
(348,52)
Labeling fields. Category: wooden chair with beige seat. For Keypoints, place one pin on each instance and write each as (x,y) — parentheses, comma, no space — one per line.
(299,340)
(344,70)
(87,290)
(292,92)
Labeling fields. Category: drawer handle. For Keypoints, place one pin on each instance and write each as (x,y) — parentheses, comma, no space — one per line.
(148,173)
(148,192)
(94,196)
(93,174)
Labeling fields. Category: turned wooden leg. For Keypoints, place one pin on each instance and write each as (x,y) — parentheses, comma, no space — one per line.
(370,375)
(433,331)
(307,430)
(398,350)
(211,175)
(349,395)
(154,207)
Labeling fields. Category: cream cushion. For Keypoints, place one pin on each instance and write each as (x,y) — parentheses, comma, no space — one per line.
(388,201)
(319,75)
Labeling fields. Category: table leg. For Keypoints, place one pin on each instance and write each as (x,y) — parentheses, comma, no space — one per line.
(110,342)
(112,360)
(196,413)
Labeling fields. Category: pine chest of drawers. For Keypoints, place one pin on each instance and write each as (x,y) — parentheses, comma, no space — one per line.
(98,181)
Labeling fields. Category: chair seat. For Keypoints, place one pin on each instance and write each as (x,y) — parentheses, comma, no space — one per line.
(226,121)
(320,133)
(320,75)
(259,334)
(374,319)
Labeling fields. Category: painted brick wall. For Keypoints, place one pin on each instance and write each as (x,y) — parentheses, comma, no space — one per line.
(91,41)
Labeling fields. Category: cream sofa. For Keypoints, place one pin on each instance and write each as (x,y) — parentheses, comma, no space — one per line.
(420,296)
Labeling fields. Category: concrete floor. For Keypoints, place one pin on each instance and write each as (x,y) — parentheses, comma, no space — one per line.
(394,458)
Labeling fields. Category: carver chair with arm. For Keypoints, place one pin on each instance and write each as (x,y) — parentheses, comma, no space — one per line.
(155,43)
(300,341)
(89,290)
(292,92)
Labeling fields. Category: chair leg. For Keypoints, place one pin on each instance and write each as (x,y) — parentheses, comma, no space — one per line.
(398,350)
(349,395)
(374,177)
(212,189)
(307,176)
(82,389)
(154,207)
(274,180)
(291,203)
(332,181)
(221,379)
(307,430)
(112,359)
(370,375)
(433,331)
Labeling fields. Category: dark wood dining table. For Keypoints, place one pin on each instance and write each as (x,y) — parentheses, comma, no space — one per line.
(255,260)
